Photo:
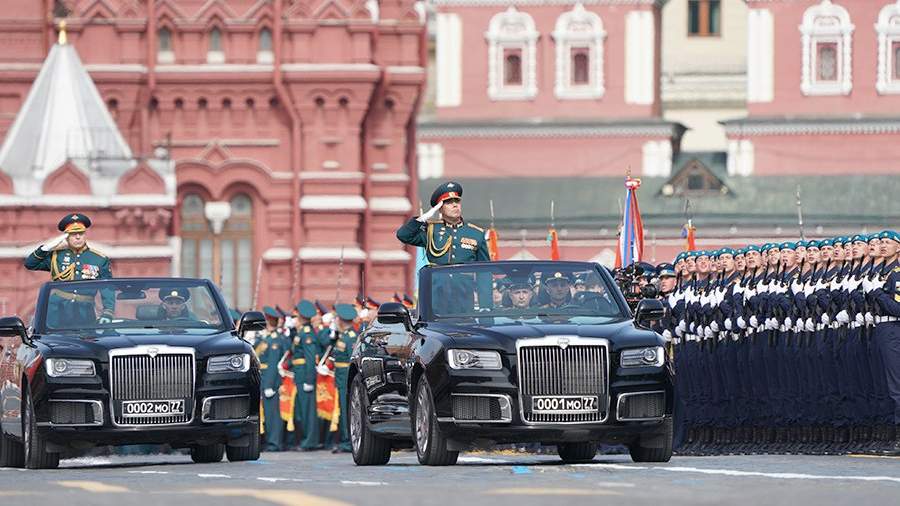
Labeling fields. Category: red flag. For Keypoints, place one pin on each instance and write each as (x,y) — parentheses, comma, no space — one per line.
(553,239)
(688,233)
(493,243)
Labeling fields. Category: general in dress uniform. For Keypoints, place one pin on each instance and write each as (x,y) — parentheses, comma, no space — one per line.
(69,258)
(270,348)
(343,348)
(308,345)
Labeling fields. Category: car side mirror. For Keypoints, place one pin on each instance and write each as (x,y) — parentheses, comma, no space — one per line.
(14,326)
(251,320)
(391,313)
(649,310)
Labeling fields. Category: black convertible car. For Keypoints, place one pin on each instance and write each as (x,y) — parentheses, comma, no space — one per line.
(509,352)
(167,366)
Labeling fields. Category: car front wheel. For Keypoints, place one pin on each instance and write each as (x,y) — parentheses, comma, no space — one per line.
(368,449)
(431,445)
(36,455)
(654,447)
(245,453)
(573,453)
(208,454)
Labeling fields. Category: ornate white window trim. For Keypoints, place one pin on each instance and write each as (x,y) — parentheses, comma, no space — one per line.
(576,29)
(827,23)
(888,28)
(512,30)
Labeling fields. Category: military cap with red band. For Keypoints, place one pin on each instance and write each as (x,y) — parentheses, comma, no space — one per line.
(448,190)
(74,223)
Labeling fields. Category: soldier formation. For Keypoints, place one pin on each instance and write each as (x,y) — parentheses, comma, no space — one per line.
(789,348)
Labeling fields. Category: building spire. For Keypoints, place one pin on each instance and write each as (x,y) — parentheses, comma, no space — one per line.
(62,32)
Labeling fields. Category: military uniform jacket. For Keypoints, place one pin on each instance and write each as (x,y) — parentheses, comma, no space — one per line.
(446,244)
(308,346)
(270,348)
(343,347)
(889,297)
(69,265)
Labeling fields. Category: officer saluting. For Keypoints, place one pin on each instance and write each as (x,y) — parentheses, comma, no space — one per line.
(449,240)
(69,258)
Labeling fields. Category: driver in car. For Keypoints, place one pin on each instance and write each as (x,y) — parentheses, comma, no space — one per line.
(558,286)
(521,291)
(174,304)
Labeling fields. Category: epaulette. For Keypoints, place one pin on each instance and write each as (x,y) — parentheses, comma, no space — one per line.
(897,269)
(306,328)
(351,333)
(476,227)
(97,252)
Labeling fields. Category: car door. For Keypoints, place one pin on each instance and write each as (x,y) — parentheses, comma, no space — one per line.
(10,384)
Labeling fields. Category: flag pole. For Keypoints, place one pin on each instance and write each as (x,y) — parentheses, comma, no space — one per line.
(800,214)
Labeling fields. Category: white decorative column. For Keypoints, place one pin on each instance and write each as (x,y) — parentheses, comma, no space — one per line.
(640,49)
(448,59)
(760,55)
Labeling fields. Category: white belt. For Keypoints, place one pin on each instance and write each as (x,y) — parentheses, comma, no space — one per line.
(886,319)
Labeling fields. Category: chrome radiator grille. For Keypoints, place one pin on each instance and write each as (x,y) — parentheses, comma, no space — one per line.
(571,370)
(152,374)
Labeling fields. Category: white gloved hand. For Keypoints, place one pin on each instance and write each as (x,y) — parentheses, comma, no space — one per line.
(749,293)
(842,317)
(714,326)
(708,333)
(825,319)
(323,370)
(808,290)
(308,388)
(788,322)
(667,335)
(753,321)
(859,319)
(682,326)
(103,320)
(741,322)
(771,323)
(54,243)
(728,324)
(796,286)
(679,331)
(430,213)
(868,285)
(870,318)
(269,393)
(809,326)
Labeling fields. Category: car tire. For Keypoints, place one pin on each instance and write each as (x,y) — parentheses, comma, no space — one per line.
(12,453)
(431,445)
(642,452)
(208,454)
(35,453)
(368,449)
(574,453)
(245,453)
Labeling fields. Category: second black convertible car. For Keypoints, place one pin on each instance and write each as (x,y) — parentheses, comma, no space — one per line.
(167,367)
(510,352)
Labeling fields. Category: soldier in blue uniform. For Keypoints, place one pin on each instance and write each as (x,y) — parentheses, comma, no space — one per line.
(69,258)
(308,345)
(344,339)
(887,328)
(270,348)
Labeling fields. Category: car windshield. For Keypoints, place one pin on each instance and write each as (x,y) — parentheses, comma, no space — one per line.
(517,292)
(120,304)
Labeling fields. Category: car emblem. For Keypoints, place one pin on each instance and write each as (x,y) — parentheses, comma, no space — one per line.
(563,342)
(152,352)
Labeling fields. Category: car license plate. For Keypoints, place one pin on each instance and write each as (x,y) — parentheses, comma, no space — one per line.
(153,408)
(564,404)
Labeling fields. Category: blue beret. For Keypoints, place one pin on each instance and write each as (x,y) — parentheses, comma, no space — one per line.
(752,247)
(665,269)
(306,308)
(826,242)
(448,190)
(787,245)
(679,257)
(727,251)
(813,244)
(859,238)
(740,251)
(270,311)
(701,253)
(345,311)
(889,234)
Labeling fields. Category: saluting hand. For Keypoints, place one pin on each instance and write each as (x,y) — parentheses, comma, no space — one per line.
(430,213)
(54,243)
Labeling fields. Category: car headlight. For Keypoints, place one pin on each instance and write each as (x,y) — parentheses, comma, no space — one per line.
(67,367)
(229,363)
(474,359)
(653,356)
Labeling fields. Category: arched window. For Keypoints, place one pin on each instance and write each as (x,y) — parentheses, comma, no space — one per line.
(579,36)
(164,49)
(236,247)
(264,52)
(196,239)
(512,56)
(214,53)
(888,28)
(827,50)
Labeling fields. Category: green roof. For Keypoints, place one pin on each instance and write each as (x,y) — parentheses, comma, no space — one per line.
(870,200)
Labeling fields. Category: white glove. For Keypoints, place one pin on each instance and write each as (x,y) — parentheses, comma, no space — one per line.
(809,325)
(728,324)
(269,393)
(796,287)
(868,285)
(870,318)
(693,327)
(741,322)
(713,326)
(54,243)
(859,319)
(667,335)
(842,317)
(808,290)
(788,321)
(323,370)
(430,213)
(749,292)
(308,388)
(103,320)
(771,323)
(682,326)
(825,319)
(708,333)
(753,321)
(679,331)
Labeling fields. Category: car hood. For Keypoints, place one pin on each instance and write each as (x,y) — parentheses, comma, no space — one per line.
(622,334)
(98,347)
